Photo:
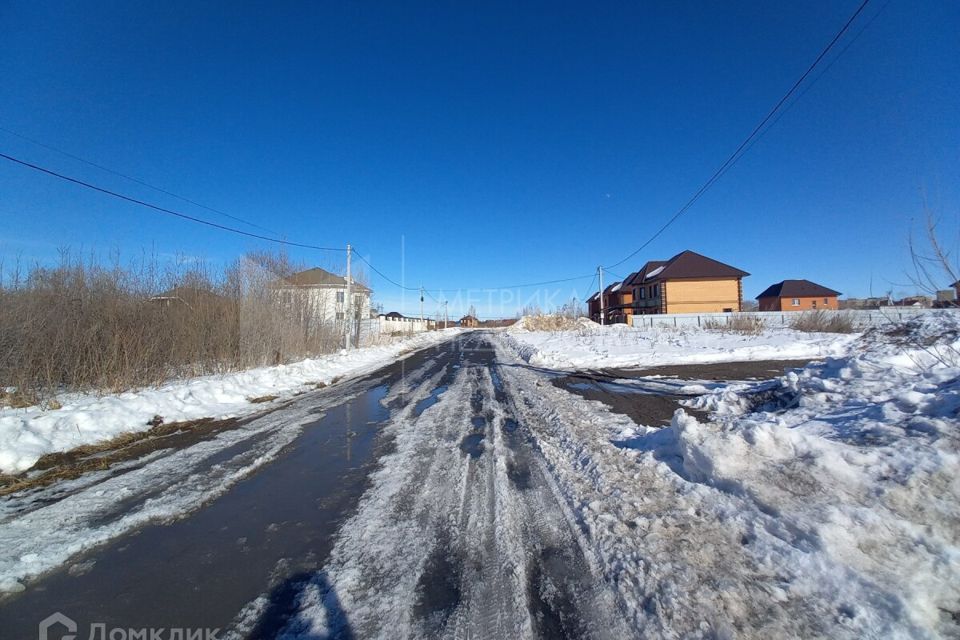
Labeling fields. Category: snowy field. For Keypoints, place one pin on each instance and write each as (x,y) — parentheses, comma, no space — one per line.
(27,434)
(824,504)
(593,346)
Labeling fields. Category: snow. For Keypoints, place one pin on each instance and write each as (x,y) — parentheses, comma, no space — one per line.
(592,345)
(825,503)
(27,434)
(654,273)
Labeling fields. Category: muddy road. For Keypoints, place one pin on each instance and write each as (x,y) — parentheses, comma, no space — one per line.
(411,502)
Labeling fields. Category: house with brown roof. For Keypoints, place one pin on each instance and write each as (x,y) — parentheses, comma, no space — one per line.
(325,293)
(797,295)
(469,322)
(686,283)
(617,304)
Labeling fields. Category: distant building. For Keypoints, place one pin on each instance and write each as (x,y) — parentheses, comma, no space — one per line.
(468,322)
(324,294)
(188,297)
(797,295)
(686,283)
(395,322)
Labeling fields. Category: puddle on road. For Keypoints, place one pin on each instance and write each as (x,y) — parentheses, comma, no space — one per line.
(472,445)
(438,590)
(652,407)
(201,570)
(429,401)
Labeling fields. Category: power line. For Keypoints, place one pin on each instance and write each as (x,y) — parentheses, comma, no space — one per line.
(164,210)
(747,141)
(132,179)
(383,275)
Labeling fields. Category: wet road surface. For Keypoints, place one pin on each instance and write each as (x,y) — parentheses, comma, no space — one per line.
(410,502)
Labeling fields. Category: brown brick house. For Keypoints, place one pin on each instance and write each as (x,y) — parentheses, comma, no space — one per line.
(686,283)
(797,295)
(469,322)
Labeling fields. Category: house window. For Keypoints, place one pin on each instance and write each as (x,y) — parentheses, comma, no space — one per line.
(643,293)
(358,301)
(340,296)
(339,315)
(826,301)
(655,291)
(796,302)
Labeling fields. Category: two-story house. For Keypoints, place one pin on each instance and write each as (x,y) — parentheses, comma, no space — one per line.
(687,283)
(324,294)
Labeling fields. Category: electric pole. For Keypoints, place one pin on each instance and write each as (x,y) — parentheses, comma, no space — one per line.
(446,318)
(346,314)
(603,305)
(423,327)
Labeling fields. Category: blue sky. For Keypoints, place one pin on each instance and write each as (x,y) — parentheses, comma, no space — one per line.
(491,144)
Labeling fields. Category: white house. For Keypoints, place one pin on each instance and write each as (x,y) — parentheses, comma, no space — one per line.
(324,295)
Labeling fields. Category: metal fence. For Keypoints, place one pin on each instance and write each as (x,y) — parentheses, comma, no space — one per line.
(862,317)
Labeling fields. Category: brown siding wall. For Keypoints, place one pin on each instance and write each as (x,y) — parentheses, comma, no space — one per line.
(707,295)
(806,303)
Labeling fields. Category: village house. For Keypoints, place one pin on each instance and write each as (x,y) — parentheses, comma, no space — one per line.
(686,283)
(797,295)
(468,322)
(324,295)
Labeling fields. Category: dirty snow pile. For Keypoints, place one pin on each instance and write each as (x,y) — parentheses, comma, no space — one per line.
(590,345)
(826,504)
(27,434)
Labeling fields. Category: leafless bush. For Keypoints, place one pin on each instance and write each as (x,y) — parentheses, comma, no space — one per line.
(823,321)
(736,323)
(549,322)
(86,325)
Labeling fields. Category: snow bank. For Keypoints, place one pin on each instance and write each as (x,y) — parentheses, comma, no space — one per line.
(27,434)
(824,504)
(590,346)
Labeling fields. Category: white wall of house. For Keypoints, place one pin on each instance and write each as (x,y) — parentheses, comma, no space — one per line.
(328,302)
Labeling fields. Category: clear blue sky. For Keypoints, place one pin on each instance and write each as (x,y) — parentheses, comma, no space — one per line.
(505,142)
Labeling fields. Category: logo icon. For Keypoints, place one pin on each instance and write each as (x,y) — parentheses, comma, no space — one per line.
(55,619)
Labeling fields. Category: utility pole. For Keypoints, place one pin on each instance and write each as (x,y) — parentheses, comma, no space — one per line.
(603,306)
(347,313)
(423,327)
(446,318)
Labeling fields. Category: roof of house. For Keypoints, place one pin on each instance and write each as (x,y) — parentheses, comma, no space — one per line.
(393,314)
(593,297)
(686,264)
(797,289)
(612,287)
(956,284)
(467,317)
(318,277)
(637,277)
(187,294)
(689,264)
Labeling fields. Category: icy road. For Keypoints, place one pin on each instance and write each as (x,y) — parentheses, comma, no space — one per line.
(410,503)
(462,492)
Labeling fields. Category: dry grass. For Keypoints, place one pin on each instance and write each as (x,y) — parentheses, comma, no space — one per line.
(55,467)
(737,323)
(86,325)
(823,321)
(262,399)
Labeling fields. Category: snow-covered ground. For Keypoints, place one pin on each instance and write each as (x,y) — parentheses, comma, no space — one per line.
(27,434)
(591,346)
(826,504)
